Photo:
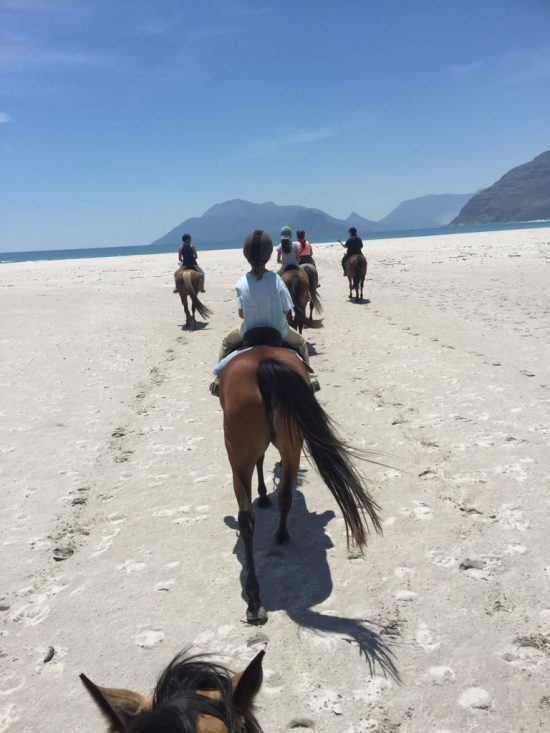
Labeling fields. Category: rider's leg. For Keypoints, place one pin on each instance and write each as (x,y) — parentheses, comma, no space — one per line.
(298,342)
(344,258)
(229,341)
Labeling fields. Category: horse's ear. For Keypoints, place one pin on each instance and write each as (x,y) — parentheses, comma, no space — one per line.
(120,707)
(246,684)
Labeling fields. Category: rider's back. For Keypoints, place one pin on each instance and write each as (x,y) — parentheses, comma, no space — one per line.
(263,301)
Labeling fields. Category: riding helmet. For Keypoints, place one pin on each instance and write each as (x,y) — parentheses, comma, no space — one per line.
(258,246)
(286,233)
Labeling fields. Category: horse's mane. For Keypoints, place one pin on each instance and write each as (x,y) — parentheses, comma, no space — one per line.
(177,702)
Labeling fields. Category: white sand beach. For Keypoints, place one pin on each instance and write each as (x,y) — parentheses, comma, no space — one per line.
(119,541)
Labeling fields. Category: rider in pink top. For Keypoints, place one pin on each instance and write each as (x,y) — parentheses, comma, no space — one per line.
(305,252)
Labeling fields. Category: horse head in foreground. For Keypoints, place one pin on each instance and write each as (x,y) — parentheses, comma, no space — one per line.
(356,270)
(192,696)
(187,285)
(266,398)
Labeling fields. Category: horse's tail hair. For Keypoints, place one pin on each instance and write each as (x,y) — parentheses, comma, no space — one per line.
(294,289)
(357,271)
(287,397)
(202,309)
(315,300)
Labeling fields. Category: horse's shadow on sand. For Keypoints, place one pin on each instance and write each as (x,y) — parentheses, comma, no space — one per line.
(361,301)
(199,326)
(296,577)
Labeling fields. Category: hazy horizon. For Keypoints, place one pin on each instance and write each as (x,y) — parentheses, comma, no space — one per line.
(120,120)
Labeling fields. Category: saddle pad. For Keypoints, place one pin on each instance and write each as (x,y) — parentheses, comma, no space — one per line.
(220,366)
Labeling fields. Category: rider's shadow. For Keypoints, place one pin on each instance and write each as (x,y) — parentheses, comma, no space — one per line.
(296,577)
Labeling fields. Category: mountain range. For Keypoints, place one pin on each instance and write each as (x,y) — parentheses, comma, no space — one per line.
(522,194)
(230,221)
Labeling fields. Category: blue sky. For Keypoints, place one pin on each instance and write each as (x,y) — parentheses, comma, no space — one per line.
(121,118)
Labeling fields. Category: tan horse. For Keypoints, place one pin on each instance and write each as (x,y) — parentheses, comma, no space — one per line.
(297,283)
(191,695)
(266,398)
(356,270)
(313,278)
(187,285)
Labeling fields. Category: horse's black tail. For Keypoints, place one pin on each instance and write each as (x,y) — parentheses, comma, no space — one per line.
(202,309)
(357,272)
(294,289)
(288,396)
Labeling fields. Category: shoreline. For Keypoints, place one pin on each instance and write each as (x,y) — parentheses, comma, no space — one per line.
(14,256)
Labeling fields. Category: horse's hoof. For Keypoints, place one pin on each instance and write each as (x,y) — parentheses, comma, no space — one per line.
(282,537)
(257,618)
(264,501)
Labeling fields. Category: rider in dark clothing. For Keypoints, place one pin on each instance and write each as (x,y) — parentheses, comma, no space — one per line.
(353,245)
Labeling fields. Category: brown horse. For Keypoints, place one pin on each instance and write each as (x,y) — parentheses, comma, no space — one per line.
(187,285)
(313,278)
(266,398)
(191,695)
(297,283)
(356,270)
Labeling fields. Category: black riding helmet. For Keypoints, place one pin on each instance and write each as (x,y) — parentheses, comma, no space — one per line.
(258,247)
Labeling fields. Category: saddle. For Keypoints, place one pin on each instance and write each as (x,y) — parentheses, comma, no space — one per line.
(262,336)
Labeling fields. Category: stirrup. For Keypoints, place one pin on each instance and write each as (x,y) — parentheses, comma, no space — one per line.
(215,387)
(314,384)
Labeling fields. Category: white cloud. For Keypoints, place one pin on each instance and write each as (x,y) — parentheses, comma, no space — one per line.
(4,117)
(271,145)
(355,121)
(465,68)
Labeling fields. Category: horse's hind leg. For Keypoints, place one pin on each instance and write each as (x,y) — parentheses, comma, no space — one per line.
(242,482)
(185,308)
(286,484)
(264,499)
(289,472)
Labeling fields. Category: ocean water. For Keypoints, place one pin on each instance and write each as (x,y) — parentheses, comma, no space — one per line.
(92,252)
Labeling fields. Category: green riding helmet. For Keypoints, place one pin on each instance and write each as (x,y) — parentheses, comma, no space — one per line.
(286,233)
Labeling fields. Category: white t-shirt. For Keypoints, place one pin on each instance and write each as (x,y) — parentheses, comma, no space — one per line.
(264,302)
(292,257)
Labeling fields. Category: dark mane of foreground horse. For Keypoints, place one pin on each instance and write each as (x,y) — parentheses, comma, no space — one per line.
(191,695)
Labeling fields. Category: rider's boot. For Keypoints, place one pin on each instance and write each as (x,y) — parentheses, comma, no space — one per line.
(215,387)
(314,383)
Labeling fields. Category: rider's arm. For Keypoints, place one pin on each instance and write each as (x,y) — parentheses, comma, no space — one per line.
(279,256)
(195,255)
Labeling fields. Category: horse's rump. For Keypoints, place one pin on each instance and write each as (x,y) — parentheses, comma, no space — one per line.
(187,284)
(356,268)
(248,426)
(313,279)
(297,282)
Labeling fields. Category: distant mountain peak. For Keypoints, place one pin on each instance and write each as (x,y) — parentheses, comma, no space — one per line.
(230,221)
(521,194)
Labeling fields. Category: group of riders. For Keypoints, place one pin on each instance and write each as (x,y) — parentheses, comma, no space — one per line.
(263,300)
